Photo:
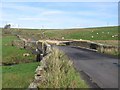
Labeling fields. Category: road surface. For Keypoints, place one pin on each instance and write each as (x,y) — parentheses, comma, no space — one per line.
(102,69)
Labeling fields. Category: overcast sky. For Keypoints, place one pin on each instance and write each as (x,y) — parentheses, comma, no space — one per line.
(59,14)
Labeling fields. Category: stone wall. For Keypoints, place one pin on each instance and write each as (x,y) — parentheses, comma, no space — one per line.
(85,44)
(39,73)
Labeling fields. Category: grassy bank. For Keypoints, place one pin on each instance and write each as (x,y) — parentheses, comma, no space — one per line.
(12,54)
(60,73)
(21,74)
(18,76)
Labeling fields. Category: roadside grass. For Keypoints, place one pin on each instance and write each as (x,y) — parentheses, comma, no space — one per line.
(107,42)
(111,51)
(12,54)
(60,73)
(18,76)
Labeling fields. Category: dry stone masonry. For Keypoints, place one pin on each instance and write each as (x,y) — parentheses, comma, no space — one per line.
(39,73)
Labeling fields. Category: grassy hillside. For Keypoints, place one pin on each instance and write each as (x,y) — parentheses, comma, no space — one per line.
(97,33)
(103,33)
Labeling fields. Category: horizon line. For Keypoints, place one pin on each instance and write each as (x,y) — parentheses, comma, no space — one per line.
(65,28)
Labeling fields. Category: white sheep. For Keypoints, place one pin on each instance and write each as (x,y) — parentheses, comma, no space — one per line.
(26,54)
(62,37)
(113,36)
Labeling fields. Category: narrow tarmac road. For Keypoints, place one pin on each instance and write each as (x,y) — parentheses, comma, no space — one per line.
(102,69)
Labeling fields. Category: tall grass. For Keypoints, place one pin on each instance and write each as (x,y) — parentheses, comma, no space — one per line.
(111,51)
(60,73)
(107,42)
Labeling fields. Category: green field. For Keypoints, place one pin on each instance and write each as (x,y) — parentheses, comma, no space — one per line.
(21,74)
(12,54)
(97,33)
(18,76)
(101,33)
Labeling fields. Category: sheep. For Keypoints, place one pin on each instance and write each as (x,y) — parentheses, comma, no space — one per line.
(26,54)
(62,37)
(113,36)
